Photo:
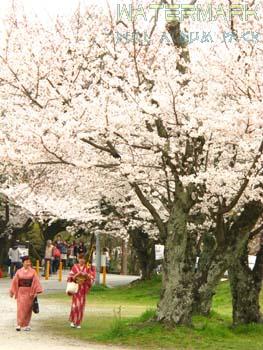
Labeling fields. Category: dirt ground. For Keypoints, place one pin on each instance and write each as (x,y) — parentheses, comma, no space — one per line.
(10,339)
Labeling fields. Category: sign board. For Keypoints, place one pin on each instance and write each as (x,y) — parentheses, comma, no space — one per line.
(159,255)
(159,251)
(251,261)
(196,262)
(102,261)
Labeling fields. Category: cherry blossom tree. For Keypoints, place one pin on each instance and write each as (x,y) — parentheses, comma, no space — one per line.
(85,103)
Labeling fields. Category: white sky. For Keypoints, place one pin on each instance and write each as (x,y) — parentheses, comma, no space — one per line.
(47,8)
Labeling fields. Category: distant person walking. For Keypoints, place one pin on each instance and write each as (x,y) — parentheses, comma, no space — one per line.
(25,287)
(15,259)
(105,252)
(63,248)
(64,254)
(56,258)
(49,257)
(93,258)
(84,276)
(81,249)
(72,254)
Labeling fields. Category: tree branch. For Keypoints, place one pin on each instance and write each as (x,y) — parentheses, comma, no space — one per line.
(62,161)
(245,183)
(111,149)
(256,232)
(145,202)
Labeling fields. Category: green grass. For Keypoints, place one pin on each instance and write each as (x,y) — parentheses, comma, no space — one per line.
(124,316)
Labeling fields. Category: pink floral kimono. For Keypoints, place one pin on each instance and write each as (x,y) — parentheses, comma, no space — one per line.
(85,277)
(25,286)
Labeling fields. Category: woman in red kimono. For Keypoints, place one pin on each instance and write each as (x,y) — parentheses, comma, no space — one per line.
(84,276)
(25,287)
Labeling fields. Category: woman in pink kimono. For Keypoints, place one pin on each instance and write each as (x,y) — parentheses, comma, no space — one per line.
(84,276)
(25,287)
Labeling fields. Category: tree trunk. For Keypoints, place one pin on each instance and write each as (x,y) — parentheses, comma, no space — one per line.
(246,284)
(145,252)
(148,267)
(4,246)
(176,303)
(217,255)
(124,258)
(245,288)
(207,278)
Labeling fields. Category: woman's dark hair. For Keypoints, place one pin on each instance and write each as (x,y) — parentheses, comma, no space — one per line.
(25,258)
(81,256)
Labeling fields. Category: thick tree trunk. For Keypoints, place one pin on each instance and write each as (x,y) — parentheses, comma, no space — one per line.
(176,303)
(245,288)
(217,255)
(246,284)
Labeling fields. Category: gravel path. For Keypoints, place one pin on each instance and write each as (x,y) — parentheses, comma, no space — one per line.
(36,340)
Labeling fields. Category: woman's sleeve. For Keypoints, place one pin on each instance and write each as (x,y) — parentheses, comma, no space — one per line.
(92,275)
(71,274)
(14,286)
(36,286)
(93,271)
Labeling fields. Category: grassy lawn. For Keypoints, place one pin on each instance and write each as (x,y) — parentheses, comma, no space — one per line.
(123,316)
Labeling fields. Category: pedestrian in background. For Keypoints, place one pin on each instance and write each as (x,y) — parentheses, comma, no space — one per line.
(63,248)
(64,253)
(93,259)
(58,242)
(25,287)
(56,258)
(105,252)
(72,254)
(48,257)
(81,249)
(15,259)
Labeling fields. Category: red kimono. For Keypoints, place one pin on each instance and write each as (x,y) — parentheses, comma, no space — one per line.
(85,277)
(25,286)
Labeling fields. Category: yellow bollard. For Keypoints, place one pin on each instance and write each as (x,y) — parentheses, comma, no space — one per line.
(60,271)
(37,267)
(104,276)
(47,270)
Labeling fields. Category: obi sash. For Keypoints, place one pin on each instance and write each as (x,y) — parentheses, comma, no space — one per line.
(25,282)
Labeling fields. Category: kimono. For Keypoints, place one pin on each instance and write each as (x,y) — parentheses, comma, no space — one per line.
(84,276)
(25,286)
